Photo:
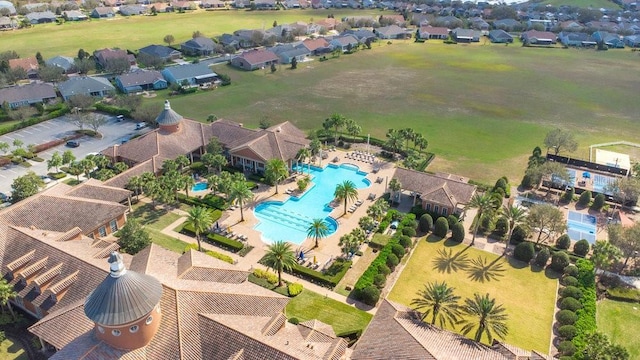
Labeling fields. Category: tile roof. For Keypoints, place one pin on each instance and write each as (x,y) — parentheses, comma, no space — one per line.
(441,189)
(97,190)
(121,180)
(314,44)
(27,64)
(279,141)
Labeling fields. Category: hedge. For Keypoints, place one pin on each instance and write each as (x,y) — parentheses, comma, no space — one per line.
(113,110)
(566,317)
(217,255)
(319,278)
(367,277)
(294,289)
(624,294)
(586,323)
(216,239)
(210,201)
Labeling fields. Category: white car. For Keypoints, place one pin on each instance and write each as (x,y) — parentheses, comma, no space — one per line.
(141,125)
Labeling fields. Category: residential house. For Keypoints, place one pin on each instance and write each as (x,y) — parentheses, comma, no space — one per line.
(327,23)
(392,32)
(84,85)
(577,39)
(160,51)
(507,24)
(632,41)
(66,63)
(614,41)
(212,4)
(542,24)
(300,53)
(199,46)
(449,21)
(317,46)
(133,9)
(363,35)
(11,9)
(29,65)
(344,43)
(192,74)
(160,7)
(265,4)
(74,15)
(396,19)
(604,25)
(500,36)
(478,23)
(102,12)
(231,40)
(255,59)
(571,25)
(105,55)
(183,5)
(139,80)
(427,32)
(40,17)
(438,193)
(6,23)
(25,95)
(535,37)
(465,35)
(241,4)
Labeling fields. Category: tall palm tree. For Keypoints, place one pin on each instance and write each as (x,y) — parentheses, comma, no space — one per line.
(395,139)
(187,182)
(515,215)
(275,171)
(395,186)
(87,166)
(135,183)
(279,257)
(200,218)
(7,292)
(483,313)
(438,300)
(317,229)
(302,155)
(483,203)
(241,194)
(346,191)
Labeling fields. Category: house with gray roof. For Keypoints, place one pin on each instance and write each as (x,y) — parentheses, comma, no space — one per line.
(140,80)
(41,17)
(255,59)
(160,51)
(199,46)
(86,85)
(427,32)
(102,12)
(392,32)
(576,39)
(133,9)
(74,15)
(535,37)
(9,6)
(7,23)
(194,74)
(610,39)
(361,34)
(25,95)
(344,43)
(500,36)
(507,24)
(466,35)
(632,41)
(66,63)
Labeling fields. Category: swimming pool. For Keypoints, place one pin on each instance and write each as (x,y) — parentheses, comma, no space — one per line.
(201,186)
(581,226)
(289,220)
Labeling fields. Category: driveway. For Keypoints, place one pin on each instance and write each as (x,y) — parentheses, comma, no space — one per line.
(113,132)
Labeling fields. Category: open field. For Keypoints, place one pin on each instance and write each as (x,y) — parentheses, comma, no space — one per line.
(138,31)
(595,4)
(482,108)
(619,321)
(527,295)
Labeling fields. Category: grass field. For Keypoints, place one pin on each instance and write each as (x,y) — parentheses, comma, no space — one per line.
(595,4)
(619,321)
(10,350)
(527,295)
(138,31)
(310,305)
(154,220)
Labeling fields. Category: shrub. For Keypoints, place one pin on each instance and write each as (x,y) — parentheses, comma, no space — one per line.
(581,247)
(409,231)
(584,199)
(392,261)
(486,223)
(568,195)
(370,295)
(219,256)
(384,269)
(378,265)
(502,226)
(569,281)
(571,270)
(518,235)
(570,303)
(567,348)
(566,317)
(543,257)
(559,261)
(563,242)
(457,232)
(379,280)
(452,220)
(567,331)
(294,289)
(294,321)
(441,228)
(405,241)
(524,251)
(426,223)
(397,250)
(264,274)
(598,202)
(571,291)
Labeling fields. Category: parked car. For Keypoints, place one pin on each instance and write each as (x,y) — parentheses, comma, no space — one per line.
(73,144)
(120,118)
(141,125)
(4,197)
(45,179)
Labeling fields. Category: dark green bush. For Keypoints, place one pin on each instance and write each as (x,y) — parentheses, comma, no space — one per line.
(566,317)
(383,226)
(598,202)
(567,348)
(378,265)
(571,270)
(571,291)
(294,321)
(397,250)
(584,199)
(441,227)
(524,251)
(452,220)
(570,303)
(501,227)
(568,195)
(409,231)
(559,261)
(543,257)
(392,261)
(370,295)
(563,242)
(569,281)
(405,241)
(486,223)
(113,110)
(518,235)
(586,323)
(426,223)
(581,247)
(567,332)
(384,269)
(457,232)
(379,280)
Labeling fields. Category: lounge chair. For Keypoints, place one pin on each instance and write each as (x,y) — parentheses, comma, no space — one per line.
(372,196)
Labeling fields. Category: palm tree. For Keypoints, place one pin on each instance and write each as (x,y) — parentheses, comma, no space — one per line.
(438,299)
(317,229)
(275,171)
(87,166)
(241,194)
(395,139)
(515,215)
(279,257)
(395,186)
(346,191)
(303,154)
(483,312)
(483,203)
(7,292)
(407,134)
(187,182)
(200,218)
(135,183)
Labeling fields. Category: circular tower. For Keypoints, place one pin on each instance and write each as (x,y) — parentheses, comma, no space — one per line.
(169,120)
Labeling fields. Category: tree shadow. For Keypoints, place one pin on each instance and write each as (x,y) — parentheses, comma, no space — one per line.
(536,268)
(433,239)
(517,264)
(482,271)
(147,214)
(552,274)
(447,262)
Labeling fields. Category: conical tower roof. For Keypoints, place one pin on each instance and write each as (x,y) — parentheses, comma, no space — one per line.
(124,296)
(168,117)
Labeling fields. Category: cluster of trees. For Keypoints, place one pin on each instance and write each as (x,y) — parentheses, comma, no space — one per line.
(481,314)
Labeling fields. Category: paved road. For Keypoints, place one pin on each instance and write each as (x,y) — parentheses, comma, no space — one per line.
(113,132)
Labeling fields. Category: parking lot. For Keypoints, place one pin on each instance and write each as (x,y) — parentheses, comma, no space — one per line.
(113,132)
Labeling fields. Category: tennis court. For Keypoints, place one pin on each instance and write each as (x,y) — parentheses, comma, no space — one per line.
(581,226)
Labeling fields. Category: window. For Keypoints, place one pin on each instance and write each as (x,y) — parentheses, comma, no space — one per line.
(444,211)
(115,332)
(103,231)
(428,208)
(134,329)
(149,320)
(436,208)
(113,225)
(101,329)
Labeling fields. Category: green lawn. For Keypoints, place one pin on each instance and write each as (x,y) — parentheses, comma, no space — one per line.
(310,305)
(154,220)
(10,350)
(595,4)
(527,295)
(619,321)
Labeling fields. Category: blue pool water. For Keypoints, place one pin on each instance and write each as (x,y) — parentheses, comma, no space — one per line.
(201,186)
(581,226)
(289,220)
